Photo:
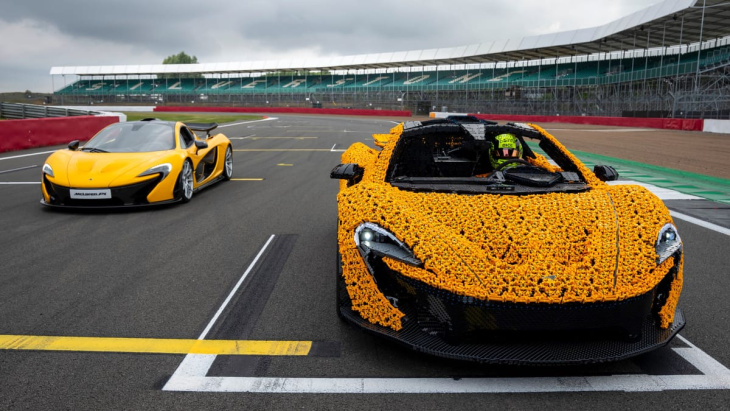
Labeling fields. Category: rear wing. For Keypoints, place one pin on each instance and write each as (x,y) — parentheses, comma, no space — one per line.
(207,127)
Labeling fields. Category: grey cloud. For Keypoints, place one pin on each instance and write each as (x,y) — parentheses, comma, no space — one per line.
(146,31)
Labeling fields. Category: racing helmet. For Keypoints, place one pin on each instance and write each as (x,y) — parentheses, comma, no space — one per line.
(505,147)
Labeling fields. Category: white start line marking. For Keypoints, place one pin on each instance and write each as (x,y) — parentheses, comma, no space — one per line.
(191,376)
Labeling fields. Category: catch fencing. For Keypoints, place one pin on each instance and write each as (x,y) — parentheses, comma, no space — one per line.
(22,111)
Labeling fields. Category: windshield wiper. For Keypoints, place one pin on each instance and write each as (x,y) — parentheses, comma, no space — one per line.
(94,150)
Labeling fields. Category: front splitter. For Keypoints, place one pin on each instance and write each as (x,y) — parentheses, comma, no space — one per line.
(534,352)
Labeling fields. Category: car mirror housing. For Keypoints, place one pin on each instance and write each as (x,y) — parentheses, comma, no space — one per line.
(350,171)
(605,173)
(201,144)
(74,145)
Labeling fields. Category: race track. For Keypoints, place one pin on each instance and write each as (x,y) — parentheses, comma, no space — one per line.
(253,259)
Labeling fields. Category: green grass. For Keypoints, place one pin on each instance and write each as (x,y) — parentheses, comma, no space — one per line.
(191,118)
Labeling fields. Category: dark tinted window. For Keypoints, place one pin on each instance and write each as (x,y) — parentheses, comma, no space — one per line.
(134,137)
(186,137)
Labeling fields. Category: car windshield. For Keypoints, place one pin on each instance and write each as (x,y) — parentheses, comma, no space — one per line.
(133,137)
(452,157)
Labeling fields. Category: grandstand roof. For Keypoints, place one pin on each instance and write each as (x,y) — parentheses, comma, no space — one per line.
(665,24)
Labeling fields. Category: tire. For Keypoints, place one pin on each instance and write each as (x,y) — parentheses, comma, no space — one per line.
(342,298)
(185,181)
(228,164)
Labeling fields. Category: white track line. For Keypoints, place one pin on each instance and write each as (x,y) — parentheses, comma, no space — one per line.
(233,292)
(18,169)
(662,193)
(195,365)
(697,221)
(27,155)
(191,376)
(248,122)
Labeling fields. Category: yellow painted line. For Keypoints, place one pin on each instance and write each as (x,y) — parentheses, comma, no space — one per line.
(285,165)
(155,346)
(283,149)
(247,179)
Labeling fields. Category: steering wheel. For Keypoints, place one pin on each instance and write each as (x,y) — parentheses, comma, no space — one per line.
(513,161)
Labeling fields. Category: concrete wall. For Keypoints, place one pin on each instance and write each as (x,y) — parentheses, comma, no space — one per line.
(717,126)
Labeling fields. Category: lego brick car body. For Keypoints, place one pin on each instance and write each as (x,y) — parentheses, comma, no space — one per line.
(537,261)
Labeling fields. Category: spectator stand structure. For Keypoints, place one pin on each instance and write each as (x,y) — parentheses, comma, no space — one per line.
(670,60)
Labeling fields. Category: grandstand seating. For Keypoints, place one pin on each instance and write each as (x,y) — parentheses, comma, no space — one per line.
(592,72)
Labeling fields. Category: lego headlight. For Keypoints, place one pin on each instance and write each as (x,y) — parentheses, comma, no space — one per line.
(668,243)
(371,238)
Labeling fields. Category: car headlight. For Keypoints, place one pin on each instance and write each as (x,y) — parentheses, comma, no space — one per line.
(48,170)
(667,243)
(371,238)
(163,169)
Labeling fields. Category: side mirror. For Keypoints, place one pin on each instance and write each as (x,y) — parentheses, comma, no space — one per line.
(74,145)
(605,173)
(200,144)
(350,172)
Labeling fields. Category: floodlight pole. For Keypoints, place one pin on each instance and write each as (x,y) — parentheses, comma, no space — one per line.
(679,60)
(699,47)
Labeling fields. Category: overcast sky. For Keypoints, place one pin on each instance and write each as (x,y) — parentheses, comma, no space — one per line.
(36,35)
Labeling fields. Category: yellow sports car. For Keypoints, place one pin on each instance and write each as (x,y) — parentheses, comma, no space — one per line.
(137,163)
(459,239)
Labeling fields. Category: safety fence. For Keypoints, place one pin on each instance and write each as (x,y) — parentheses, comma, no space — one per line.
(21,111)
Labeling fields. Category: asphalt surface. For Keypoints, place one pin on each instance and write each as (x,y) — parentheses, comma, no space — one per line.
(165,272)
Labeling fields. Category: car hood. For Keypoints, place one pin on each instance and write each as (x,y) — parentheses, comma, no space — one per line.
(88,170)
(559,247)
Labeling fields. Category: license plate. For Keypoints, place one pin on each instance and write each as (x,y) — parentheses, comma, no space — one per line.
(91,194)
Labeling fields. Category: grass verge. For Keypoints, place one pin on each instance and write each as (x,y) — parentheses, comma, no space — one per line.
(191,118)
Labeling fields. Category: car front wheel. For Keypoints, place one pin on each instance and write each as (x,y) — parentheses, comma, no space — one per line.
(186,181)
(228,164)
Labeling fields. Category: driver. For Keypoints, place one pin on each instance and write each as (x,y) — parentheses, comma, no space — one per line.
(505,147)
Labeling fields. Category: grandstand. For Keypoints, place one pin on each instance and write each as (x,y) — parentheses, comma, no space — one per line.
(669,60)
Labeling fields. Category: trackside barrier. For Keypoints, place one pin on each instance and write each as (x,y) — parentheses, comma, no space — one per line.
(717,126)
(292,110)
(21,111)
(661,123)
(23,134)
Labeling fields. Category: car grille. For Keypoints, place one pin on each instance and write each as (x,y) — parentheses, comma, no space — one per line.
(456,317)
(133,194)
(447,325)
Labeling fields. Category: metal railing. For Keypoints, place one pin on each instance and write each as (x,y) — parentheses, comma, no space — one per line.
(21,111)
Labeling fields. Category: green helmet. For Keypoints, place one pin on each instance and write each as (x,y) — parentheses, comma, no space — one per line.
(505,147)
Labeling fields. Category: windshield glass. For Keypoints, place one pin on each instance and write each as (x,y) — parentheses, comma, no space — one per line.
(484,158)
(133,137)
